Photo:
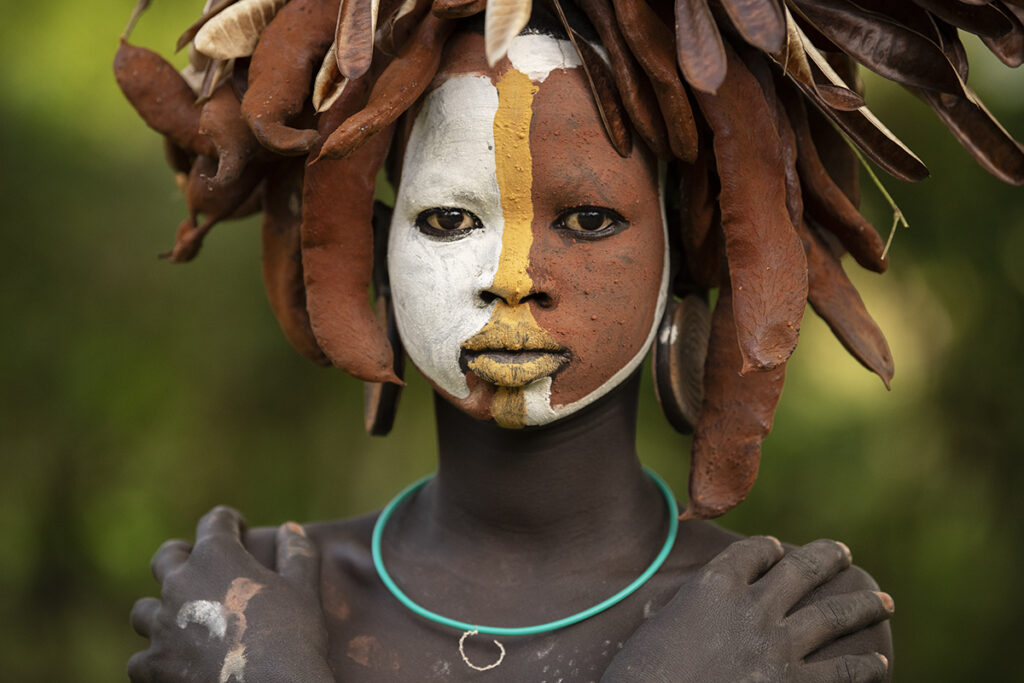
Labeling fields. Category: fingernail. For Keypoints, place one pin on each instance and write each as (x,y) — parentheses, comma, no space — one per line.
(777,542)
(295,528)
(886,600)
(883,658)
(846,550)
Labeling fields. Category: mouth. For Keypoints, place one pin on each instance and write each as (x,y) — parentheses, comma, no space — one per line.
(513,368)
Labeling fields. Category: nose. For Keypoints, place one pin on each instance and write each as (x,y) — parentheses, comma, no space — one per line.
(515,292)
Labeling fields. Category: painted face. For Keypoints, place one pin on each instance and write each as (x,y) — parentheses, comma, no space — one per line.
(528,260)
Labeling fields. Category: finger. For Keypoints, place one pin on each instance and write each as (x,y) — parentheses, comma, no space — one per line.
(846,669)
(139,669)
(221,521)
(749,558)
(802,570)
(298,559)
(143,616)
(168,557)
(825,620)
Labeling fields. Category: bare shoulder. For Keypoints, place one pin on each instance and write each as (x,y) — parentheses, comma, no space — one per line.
(349,536)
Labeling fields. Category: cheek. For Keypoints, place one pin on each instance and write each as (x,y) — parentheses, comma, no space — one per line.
(435,289)
(605,296)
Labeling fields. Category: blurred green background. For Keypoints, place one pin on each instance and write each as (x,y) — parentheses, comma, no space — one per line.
(136,395)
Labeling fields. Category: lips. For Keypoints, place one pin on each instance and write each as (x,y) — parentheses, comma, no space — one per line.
(514,368)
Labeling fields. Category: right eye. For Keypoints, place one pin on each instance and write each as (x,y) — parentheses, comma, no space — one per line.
(447,222)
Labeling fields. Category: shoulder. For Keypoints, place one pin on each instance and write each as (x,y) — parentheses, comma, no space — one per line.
(346,536)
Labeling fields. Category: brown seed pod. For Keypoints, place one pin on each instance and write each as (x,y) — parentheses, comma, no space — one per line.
(826,202)
(766,261)
(653,45)
(282,257)
(601,88)
(457,9)
(1009,48)
(212,9)
(221,121)
(337,252)
(837,302)
(235,31)
(161,97)
(290,49)
(699,48)
(735,417)
(980,134)
(980,19)
(212,203)
(353,40)
(702,224)
(400,84)
(760,22)
(634,87)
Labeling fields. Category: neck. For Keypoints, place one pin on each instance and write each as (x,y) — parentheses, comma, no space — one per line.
(575,481)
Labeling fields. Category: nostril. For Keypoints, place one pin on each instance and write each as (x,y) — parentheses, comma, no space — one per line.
(541,299)
(488,296)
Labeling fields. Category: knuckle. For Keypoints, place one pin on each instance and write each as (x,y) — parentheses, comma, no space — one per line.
(833,614)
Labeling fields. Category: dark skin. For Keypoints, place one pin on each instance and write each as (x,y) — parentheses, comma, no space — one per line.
(518,528)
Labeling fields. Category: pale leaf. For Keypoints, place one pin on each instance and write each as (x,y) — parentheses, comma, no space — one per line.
(329,83)
(503,22)
(235,31)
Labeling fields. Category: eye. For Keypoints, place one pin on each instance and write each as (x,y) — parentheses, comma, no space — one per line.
(447,222)
(590,222)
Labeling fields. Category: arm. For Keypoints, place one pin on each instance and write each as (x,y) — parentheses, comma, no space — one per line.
(223,616)
(758,613)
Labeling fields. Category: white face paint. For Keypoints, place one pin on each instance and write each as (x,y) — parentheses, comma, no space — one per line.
(436,281)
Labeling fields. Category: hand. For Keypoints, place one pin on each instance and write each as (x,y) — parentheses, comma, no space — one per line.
(224,617)
(732,622)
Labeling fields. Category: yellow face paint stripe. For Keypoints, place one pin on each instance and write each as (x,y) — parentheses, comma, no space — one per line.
(515,182)
(514,165)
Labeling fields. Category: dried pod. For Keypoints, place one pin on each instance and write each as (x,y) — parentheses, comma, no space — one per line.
(653,45)
(980,19)
(1009,48)
(291,47)
(735,417)
(634,87)
(282,257)
(766,261)
(401,84)
(503,22)
(401,17)
(457,9)
(980,134)
(601,87)
(235,31)
(337,255)
(882,45)
(353,40)
(221,121)
(212,9)
(701,225)
(837,302)
(760,22)
(161,97)
(699,46)
(828,204)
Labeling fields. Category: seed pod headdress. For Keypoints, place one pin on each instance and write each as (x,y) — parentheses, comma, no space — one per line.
(289,107)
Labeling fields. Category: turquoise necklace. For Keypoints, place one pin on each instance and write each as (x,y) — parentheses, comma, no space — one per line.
(474,629)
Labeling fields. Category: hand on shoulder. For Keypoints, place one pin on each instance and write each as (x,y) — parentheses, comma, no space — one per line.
(760,612)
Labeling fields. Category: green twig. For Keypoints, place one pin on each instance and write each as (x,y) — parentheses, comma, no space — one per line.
(897,213)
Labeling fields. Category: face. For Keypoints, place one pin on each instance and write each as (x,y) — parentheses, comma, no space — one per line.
(528,260)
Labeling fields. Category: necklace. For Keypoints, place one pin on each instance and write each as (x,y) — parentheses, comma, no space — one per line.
(469,629)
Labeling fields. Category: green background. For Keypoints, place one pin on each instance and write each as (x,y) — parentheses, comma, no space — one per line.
(136,394)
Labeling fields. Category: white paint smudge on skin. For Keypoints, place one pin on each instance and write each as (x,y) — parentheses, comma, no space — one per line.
(537,55)
(538,402)
(449,162)
(206,613)
(234,665)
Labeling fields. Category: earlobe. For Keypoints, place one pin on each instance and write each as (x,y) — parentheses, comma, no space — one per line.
(679,351)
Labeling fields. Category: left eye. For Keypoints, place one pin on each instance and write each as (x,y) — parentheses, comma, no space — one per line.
(590,222)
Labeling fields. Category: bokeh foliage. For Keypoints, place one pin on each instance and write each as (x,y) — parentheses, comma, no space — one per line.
(136,395)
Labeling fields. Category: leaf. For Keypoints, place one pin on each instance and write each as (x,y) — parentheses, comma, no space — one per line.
(353,42)
(235,31)
(503,22)
(329,83)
